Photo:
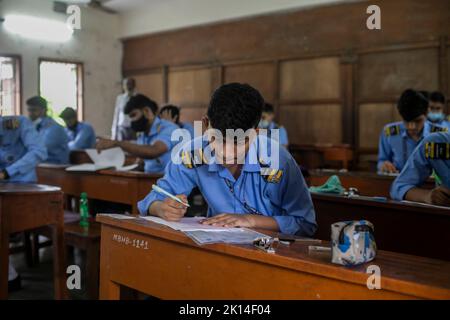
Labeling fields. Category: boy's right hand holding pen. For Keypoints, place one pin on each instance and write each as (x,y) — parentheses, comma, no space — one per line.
(172,208)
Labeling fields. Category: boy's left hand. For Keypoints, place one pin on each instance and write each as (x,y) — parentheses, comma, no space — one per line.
(229,220)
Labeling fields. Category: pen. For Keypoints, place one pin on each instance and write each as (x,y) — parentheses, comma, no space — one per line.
(164,192)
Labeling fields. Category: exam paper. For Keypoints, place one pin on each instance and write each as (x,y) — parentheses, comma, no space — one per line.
(187,224)
(424,204)
(110,158)
(117,216)
(233,236)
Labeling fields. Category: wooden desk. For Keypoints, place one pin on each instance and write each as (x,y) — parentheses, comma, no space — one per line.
(368,183)
(399,227)
(174,267)
(26,207)
(108,185)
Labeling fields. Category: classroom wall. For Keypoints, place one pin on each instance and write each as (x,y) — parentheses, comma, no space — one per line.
(96,45)
(161,15)
(331,79)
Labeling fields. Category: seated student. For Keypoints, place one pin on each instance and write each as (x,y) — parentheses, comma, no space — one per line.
(267,122)
(81,134)
(154,141)
(172,113)
(433,153)
(436,108)
(243,188)
(53,135)
(399,139)
(20,151)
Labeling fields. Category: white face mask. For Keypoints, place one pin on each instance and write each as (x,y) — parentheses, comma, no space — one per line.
(263,124)
(37,121)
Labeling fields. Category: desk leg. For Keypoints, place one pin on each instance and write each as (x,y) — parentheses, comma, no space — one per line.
(109,290)
(59,273)
(4,254)
(92,268)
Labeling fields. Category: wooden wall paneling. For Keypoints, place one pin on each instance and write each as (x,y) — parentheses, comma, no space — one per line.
(151,85)
(261,76)
(310,124)
(310,79)
(348,100)
(384,75)
(372,118)
(291,34)
(190,87)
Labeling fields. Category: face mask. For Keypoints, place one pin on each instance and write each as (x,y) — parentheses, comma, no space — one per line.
(435,116)
(37,121)
(139,125)
(263,124)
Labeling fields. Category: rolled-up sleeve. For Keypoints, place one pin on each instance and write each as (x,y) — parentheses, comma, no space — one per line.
(415,172)
(177,180)
(298,211)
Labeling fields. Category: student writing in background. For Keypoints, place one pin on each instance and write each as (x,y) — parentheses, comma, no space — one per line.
(436,109)
(399,139)
(172,113)
(433,153)
(81,134)
(53,135)
(267,122)
(154,140)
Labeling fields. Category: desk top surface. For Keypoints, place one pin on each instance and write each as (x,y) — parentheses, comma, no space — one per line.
(109,172)
(382,204)
(400,272)
(26,188)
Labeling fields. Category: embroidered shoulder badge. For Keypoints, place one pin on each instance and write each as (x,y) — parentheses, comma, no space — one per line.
(438,129)
(392,130)
(271,175)
(193,159)
(437,151)
(11,124)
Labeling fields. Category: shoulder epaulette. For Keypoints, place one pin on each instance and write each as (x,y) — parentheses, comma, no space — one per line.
(437,151)
(193,159)
(11,124)
(271,175)
(392,130)
(438,129)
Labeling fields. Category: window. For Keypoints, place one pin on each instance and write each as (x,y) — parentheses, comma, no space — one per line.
(9,85)
(60,83)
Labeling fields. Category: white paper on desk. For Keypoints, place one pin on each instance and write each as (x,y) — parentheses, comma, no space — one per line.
(186,224)
(233,236)
(117,216)
(110,158)
(424,204)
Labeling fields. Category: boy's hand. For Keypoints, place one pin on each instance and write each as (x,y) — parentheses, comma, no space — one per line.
(388,167)
(103,144)
(439,196)
(169,209)
(231,220)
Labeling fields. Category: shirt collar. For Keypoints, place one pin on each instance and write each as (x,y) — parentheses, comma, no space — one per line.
(155,127)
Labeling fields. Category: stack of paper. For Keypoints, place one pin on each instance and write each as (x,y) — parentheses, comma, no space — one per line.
(205,234)
(107,159)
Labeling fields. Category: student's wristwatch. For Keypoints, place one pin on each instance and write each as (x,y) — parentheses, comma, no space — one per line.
(5,173)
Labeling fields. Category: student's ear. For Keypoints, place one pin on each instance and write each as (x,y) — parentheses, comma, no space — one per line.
(205,123)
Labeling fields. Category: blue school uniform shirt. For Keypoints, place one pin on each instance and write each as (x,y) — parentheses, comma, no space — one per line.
(396,146)
(189,127)
(433,153)
(443,123)
(82,137)
(264,187)
(55,140)
(161,130)
(21,150)
(283,136)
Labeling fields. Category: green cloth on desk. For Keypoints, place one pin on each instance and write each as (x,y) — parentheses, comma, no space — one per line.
(333,185)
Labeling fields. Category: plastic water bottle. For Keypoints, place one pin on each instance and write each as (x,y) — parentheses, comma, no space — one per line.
(84,210)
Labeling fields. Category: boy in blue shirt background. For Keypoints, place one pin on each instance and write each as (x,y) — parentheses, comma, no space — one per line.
(81,134)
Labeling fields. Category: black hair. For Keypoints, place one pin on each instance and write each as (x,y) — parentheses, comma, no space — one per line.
(235,106)
(140,101)
(412,104)
(426,94)
(37,101)
(437,96)
(68,113)
(268,108)
(174,111)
